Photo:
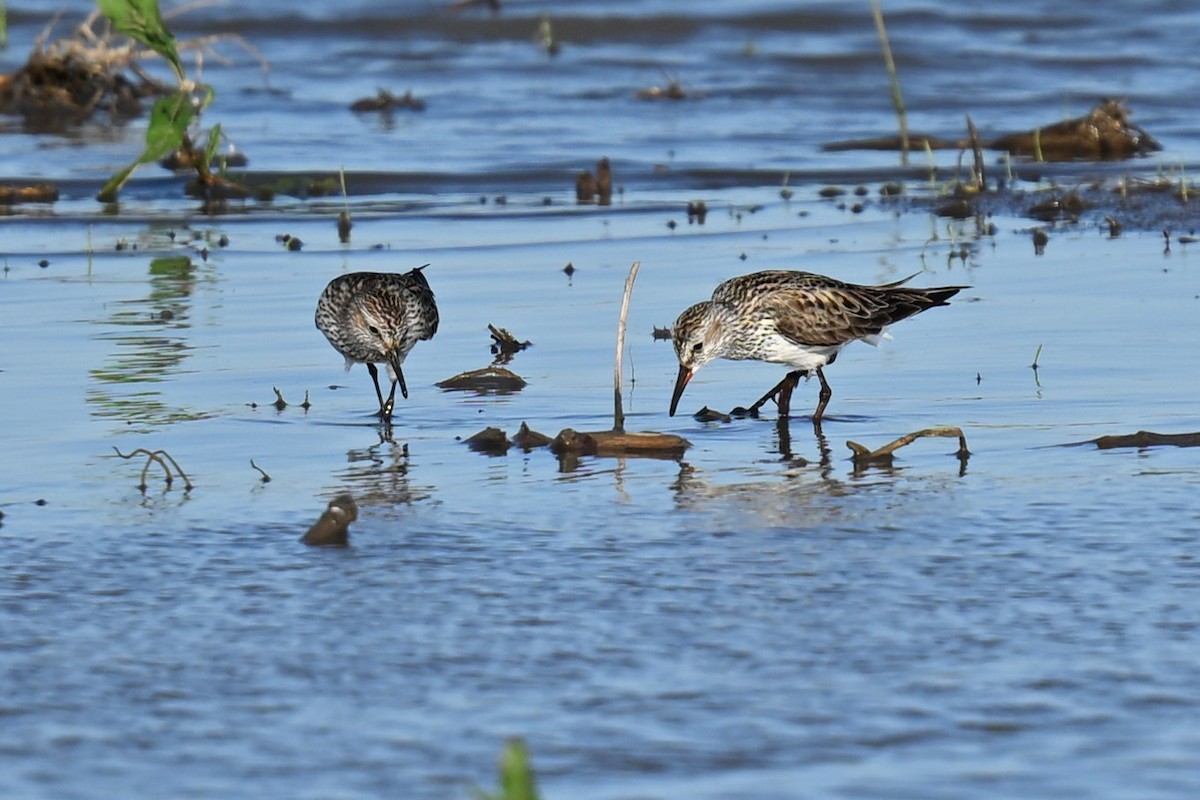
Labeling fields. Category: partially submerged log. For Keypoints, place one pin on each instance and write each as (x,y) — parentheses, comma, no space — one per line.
(1146,439)
(619,443)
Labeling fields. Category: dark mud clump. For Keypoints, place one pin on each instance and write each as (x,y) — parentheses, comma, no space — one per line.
(71,80)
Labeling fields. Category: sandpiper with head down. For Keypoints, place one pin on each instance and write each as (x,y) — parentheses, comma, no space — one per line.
(376,318)
(795,318)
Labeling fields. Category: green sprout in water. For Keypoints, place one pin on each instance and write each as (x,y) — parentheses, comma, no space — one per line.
(516,774)
(172,115)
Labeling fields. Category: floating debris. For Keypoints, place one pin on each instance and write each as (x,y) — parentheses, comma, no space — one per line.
(495,379)
(28,193)
(332,528)
(661,334)
(386,102)
(504,344)
(707,414)
(885,455)
(185,159)
(596,188)
(527,439)
(1103,134)
(1040,240)
(697,212)
(492,441)
(68,81)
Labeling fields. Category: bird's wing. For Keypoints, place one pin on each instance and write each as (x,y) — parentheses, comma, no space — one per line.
(829,315)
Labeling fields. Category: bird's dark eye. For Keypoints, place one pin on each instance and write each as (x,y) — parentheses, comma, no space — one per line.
(374,331)
(697,347)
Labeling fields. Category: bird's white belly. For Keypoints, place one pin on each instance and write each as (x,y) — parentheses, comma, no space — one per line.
(778,350)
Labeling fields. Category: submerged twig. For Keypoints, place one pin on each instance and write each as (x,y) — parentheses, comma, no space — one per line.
(884,455)
(265,477)
(161,457)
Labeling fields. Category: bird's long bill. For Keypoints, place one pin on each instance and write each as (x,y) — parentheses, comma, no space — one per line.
(394,362)
(685,375)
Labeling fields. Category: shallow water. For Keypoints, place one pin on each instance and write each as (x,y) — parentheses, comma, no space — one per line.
(738,623)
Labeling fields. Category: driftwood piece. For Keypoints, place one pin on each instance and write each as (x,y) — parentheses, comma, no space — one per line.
(884,455)
(1146,439)
(619,443)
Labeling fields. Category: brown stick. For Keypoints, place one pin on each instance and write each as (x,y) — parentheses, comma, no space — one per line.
(884,454)
(618,411)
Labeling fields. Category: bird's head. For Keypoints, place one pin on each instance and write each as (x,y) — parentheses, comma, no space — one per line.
(698,336)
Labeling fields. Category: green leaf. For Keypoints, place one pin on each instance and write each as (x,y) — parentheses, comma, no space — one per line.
(214,142)
(516,774)
(141,20)
(169,120)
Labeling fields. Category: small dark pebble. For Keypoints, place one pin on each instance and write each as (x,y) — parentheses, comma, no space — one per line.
(829,192)
(294,243)
(891,189)
(166,315)
(44,263)
(223,241)
(569,268)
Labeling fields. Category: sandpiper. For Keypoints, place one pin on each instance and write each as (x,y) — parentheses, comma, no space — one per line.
(795,318)
(377,317)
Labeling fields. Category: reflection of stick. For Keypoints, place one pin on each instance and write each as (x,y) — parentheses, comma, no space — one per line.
(884,454)
(618,412)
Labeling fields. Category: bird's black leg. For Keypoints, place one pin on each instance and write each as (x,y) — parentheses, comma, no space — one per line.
(371,368)
(823,397)
(385,409)
(781,394)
